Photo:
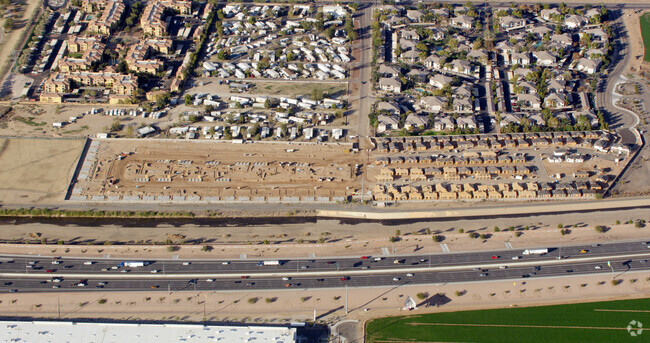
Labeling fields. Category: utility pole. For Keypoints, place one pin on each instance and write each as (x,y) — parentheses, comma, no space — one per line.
(58,305)
(610,266)
(346,299)
(204,305)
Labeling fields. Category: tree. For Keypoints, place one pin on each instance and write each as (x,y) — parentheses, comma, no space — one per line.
(116,125)
(188,99)
(9,24)
(223,54)
(317,94)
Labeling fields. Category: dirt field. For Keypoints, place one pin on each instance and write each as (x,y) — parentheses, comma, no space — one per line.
(210,171)
(631,21)
(8,43)
(36,170)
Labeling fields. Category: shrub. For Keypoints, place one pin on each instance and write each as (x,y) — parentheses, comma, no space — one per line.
(60,242)
(473,235)
(438,238)
(398,232)
(252,300)
(393,239)
(268,300)
(559,226)
(421,296)
(461,231)
(599,229)
(616,282)
(102,301)
(496,229)
(458,293)
(618,222)
(517,234)
(172,248)
(207,248)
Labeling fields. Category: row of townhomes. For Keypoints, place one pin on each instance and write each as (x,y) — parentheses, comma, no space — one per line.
(466,70)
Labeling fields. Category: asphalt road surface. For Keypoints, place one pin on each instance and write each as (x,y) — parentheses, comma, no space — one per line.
(37,274)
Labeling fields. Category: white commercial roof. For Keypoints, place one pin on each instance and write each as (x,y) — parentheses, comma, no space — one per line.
(43,331)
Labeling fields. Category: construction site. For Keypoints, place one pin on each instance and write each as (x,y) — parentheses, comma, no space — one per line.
(195,171)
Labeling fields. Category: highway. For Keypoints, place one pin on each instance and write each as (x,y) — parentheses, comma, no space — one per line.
(30,274)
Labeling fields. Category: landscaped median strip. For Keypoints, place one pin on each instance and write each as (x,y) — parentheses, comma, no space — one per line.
(159,276)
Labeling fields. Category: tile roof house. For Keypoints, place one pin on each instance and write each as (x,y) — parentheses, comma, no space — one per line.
(434,62)
(521,58)
(390,84)
(563,39)
(529,101)
(463,21)
(389,71)
(574,21)
(554,100)
(588,66)
(414,15)
(443,124)
(546,14)
(386,123)
(410,34)
(415,121)
(545,58)
(389,107)
(419,75)
(512,23)
(466,123)
(433,103)
(440,80)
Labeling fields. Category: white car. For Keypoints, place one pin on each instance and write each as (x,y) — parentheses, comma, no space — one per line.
(187,263)
(286,278)
(210,280)
(515,257)
(409,274)
(155,271)
(598,267)
(56,262)
(503,267)
(89,263)
(225,263)
(396,279)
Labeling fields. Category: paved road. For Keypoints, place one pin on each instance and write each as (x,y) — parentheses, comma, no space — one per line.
(365,35)
(30,273)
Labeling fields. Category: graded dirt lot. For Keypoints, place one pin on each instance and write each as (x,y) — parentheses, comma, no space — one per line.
(37,170)
(9,39)
(210,171)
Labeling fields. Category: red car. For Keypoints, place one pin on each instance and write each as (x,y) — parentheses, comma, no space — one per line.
(494,257)
(244,276)
(345,278)
(50,270)
(365,257)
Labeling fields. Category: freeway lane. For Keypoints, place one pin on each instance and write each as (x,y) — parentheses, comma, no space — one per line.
(40,265)
(390,278)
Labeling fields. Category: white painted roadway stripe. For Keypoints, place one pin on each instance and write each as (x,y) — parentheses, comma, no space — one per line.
(384,251)
(508,245)
(444,247)
(316,274)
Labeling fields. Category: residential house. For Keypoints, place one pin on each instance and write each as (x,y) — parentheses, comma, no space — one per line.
(389,107)
(461,67)
(443,124)
(511,23)
(467,123)
(529,101)
(545,58)
(410,35)
(521,58)
(587,65)
(440,80)
(563,39)
(548,14)
(464,105)
(478,55)
(508,118)
(434,62)
(389,71)
(463,21)
(433,103)
(418,75)
(414,15)
(554,100)
(573,21)
(415,121)
(390,84)
(387,123)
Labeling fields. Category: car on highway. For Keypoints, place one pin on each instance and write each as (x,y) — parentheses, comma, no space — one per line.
(8,283)
(583,251)
(643,261)
(225,262)
(396,279)
(102,283)
(80,284)
(88,263)
(538,268)
(483,274)
(494,257)
(154,286)
(192,281)
(598,267)
(398,262)
(378,258)
(304,267)
(331,262)
(187,263)
(365,267)
(286,278)
(125,270)
(320,280)
(56,262)
(365,257)
(503,267)
(31,263)
(210,280)
(345,278)
(569,271)
(56,286)
(68,266)
(409,274)
(104,269)
(250,284)
(476,269)
(287,285)
(57,279)
(155,271)
(515,257)
(245,276)
(13,290)
(50,270)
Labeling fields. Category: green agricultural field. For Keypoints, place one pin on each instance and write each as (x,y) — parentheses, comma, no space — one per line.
(588,322)
(645,31)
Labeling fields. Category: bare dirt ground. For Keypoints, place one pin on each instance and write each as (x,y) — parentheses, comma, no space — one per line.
(631,21)
(205,169)
(36,170)
(8,43)
(341,239)
(300,304)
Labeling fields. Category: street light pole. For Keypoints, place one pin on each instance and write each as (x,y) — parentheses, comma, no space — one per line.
(346,299)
